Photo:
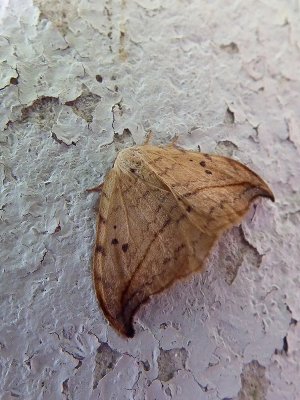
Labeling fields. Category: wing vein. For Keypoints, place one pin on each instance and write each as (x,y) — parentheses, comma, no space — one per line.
(157,236)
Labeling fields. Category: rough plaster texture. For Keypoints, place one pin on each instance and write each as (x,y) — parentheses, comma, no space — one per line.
(80,80)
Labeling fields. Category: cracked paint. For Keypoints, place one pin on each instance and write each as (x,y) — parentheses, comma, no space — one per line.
(169,362)
(254,382)
(105,361)
(78,82)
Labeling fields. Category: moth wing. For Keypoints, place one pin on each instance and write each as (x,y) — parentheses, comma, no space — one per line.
(214,191)
(144,243)
(161,211)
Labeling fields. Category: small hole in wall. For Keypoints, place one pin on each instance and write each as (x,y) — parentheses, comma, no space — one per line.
(285,346)
(146,365)
(14,81)
(99,78)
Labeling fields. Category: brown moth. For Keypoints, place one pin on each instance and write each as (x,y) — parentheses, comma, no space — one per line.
(161,211)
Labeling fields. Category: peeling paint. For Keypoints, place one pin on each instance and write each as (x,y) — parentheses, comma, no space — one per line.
(254,382)
(105,360)
(85,104)
(169,362)
(226,148)
(237,251)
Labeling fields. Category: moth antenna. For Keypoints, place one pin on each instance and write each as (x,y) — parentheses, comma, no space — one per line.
(97,189)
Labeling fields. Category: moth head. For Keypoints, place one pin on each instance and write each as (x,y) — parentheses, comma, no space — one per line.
(129,160)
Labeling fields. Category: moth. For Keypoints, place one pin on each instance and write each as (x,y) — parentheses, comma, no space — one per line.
(161,211)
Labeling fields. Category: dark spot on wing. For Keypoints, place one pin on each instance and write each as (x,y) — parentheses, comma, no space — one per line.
(114,241)
(100,249)
(115,226)
(125,247)
(101,219)
(189,209)
(202,163)
(132,170)
(208,172)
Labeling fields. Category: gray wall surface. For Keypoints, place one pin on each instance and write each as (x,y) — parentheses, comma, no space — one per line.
(82,79)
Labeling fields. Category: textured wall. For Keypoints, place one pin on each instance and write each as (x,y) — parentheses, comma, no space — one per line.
(80,80)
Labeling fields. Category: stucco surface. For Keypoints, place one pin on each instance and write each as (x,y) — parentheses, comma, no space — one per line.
(81,79)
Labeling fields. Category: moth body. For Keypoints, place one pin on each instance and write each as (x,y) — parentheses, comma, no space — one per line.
(161,211)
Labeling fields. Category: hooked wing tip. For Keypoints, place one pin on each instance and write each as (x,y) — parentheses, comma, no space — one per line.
(267,192)
(130,332)
(124,330)
(271,196)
